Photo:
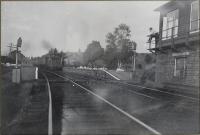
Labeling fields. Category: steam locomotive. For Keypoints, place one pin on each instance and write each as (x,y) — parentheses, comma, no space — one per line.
(49,62)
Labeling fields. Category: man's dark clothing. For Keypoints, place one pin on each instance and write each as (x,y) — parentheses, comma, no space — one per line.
(156,36)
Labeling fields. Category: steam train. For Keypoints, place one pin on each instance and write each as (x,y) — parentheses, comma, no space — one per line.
(49,62)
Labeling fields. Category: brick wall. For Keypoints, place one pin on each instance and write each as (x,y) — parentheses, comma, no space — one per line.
(165,67)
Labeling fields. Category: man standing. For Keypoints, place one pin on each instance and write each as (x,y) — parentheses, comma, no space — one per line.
(153,34)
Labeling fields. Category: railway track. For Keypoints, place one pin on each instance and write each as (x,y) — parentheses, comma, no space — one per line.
(142,90)
(50,122)
(110,104)
(78,82)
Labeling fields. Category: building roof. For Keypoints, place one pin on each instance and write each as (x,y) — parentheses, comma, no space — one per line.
(164,5)
(172,3)
(168,4)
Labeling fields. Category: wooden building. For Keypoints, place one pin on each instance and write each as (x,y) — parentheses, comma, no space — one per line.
(12,55)
(177,51)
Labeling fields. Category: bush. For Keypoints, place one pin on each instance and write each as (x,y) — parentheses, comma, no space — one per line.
(139,66)
(148,59)
(148,75)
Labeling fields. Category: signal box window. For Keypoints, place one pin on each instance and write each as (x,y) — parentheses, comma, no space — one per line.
(170,25)
(194,16)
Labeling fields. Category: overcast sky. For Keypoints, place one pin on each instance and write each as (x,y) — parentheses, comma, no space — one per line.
(71,25)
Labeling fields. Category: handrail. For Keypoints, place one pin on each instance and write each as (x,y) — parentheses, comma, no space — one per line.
(151,43)
(172,35)
(185,24)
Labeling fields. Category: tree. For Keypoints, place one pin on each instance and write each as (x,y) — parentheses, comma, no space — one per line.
(53,51)
(99,63)
(118,46)
(62,56)
(110,55)
(110,40)
(122,35)
(54,54)
(93,52)
(124,54)
(122,32)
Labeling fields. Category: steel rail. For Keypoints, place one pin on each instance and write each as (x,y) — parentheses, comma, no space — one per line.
(157,90)
(50,123)
(145,95)
(112,105)
(192,99)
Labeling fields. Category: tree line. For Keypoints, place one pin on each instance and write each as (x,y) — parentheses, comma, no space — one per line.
(119,49)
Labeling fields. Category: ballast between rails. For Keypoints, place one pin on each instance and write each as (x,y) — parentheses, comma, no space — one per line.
(112,105)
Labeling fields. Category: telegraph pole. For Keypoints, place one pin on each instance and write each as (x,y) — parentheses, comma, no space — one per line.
(19,44)
(16,71)
(10,47)
(16,57)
